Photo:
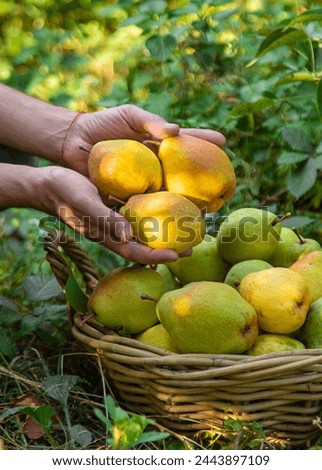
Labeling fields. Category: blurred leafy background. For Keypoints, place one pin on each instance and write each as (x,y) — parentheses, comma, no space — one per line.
(249,68)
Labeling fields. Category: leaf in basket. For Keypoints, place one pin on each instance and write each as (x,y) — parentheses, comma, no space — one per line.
(41,287)
(75,295)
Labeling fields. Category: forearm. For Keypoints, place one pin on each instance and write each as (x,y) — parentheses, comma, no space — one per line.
(20,186)
(31,125)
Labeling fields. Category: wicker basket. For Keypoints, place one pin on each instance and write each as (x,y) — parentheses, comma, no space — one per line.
(188,393)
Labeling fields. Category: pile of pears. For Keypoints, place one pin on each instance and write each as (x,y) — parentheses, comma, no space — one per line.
(163,194)
(254,288)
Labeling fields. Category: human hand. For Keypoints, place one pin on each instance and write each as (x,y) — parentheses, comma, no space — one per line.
(75,200)
(121,122)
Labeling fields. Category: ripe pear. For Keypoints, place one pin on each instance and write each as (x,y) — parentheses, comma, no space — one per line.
(124,167)
(157,336)
(116,300)
(165,220)
(205,264)
(309,265)
(208,317)
(280,297)
(199,170)
(281,256)
(239,270)
(311,332)
(301,246)
(269,343)
(248,233)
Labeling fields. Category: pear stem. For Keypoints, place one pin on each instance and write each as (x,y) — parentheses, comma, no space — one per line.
(86,149)
(280,219)
(112,199)
(148,297)
(297,233)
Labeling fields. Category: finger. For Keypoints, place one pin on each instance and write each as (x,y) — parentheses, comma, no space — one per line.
(142,254)
(161,129)
(206,134)
(186,253)
(153,124)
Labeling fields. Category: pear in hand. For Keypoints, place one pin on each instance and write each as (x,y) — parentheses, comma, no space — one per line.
(116,300)
(208,317)
(248,233)
(121,168)
(199,170)
(165,220)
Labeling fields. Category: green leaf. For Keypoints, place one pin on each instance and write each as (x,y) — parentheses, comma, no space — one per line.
(81,435)
(287,158)
(302,179)
(41,287)
(151,436)
(75,295)
(297,221)
(161,47)
(58,386)
(318,162)
(297,139)
(115,412)
(281,37)
(307,16)
(319,98)
(7,346)
(253,107)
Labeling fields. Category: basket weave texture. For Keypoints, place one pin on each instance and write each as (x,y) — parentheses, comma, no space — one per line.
(188,393)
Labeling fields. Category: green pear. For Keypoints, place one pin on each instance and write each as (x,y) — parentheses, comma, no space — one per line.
(116,300)
(248,233)
(169,277)
(157,336)
(311,332)
(124,167)
(165,220)
(239,270)
(281,256)
(269,343)
(309,265)
(199,170)
(300,247)
(208,317)
(205,264)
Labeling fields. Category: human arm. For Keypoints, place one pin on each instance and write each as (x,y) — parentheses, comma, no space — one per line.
(70,196)
(56,133)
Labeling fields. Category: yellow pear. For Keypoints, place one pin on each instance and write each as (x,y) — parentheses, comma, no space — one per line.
(269,343)
(205,264)
(197,169)
(116,300)
(309,265)
(165,220)
(280,297)
(157,336)
(123,167)
(208,317)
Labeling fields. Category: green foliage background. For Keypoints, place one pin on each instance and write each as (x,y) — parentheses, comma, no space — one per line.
(249,68)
